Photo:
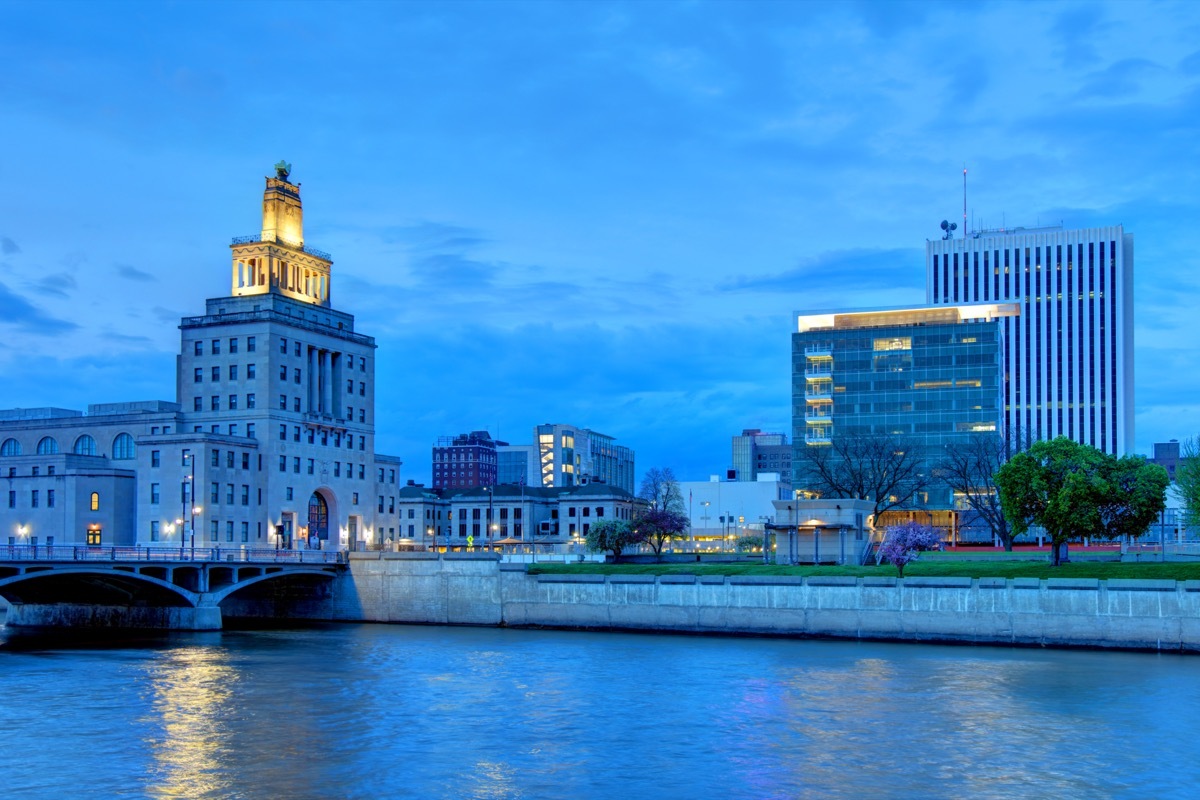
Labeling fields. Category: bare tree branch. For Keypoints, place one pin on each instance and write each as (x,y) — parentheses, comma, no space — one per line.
(885,469)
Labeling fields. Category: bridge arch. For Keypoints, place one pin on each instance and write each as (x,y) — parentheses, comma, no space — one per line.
(94,586)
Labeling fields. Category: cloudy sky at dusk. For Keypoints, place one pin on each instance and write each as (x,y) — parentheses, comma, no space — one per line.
(601,214)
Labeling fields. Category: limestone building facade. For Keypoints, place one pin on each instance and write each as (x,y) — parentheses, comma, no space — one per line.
(271,440)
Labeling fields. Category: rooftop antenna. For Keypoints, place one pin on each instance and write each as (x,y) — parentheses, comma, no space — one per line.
(964,201)
(949,227)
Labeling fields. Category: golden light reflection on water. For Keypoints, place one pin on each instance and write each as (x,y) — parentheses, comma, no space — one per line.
(192,694)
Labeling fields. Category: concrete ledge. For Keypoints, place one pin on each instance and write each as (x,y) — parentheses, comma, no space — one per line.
(993,583)
(769,580)
(1141,585)
(831,580)
(677,579)
(878,580)
(571,578)
(937,583)
(471,556)
(642,579)
(712,580)
(369,555)
(1027,583)
(1191,586)
(408,556)
(1073,583)
(509,567)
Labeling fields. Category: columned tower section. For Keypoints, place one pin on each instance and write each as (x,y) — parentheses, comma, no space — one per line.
(277,261)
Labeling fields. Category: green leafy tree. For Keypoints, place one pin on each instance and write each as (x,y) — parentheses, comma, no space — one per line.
(748,543)
(610,534)
(656,527)
(1187,480)
(1073,490)
(1137,493)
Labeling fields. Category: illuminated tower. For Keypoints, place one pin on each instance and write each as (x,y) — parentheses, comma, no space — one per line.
(277,261)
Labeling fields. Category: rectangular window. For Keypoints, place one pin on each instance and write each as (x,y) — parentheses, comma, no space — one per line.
(199,348)
(250,372)
(411,513)
(250,400)
(245,531)
(283,402)
(361,472)
(197,403)
(295,433)
(283,433)
(156,458)
(283,465)
(311,436)
(232,346)
(233,372)
(350,387)
(283,373)
(337,469)
(245,495)
(229,457)
(49,498)
(216,374)
(215,403)
(380,504)
(354,498)
(310,466)
(233,402)
(283,346)
(214,528)
(229,493)
(296,465)
(214,493)
(216,347)
(362,389)
(216,458)
(296,375)
(251,344)
(391,476)
(289,493)
(296,404)
(362,415)
(229,531)
(297,348)
(198,375)
(250,429)
(154,494)
(12,499)
(154,530)
(362,443)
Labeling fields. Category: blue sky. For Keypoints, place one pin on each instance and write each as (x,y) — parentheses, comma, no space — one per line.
(601,214)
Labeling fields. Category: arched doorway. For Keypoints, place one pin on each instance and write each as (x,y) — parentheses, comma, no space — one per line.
(318,520)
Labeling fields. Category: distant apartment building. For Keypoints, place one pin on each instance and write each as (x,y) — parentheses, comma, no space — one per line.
(1166,455)
(755,452)
(1068,355)
(931,375)
(567,455)
(465,460)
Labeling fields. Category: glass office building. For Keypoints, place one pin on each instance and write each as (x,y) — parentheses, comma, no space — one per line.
(931,374)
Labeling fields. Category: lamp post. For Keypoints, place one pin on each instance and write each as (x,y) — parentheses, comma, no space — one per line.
(431,531)
(491,490)
(189,499)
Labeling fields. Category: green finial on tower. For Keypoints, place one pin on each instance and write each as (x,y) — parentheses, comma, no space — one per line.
(282,170)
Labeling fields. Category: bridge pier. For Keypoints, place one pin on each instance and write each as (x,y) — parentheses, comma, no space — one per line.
(80,615)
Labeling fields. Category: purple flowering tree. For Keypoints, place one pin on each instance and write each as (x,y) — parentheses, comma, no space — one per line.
(905,542)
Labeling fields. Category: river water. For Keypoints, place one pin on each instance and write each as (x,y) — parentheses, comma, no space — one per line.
(378,711)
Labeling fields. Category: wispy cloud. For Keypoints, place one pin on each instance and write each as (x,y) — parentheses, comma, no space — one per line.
(132,273)
(8,247)
(59,284)
(19,313)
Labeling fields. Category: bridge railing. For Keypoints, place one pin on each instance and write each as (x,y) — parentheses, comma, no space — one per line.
(59,552)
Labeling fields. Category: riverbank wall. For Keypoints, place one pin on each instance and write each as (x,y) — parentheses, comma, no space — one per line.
(478,590)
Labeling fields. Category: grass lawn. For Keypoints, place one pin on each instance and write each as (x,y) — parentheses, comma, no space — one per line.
(965,568)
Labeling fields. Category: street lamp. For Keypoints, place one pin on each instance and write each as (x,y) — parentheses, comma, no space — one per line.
(491,492)
(189,498)
(430,531)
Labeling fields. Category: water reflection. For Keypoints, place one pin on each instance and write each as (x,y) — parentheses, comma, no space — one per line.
(392,711)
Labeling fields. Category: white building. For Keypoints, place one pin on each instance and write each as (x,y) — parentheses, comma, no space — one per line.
(270,442)
(720,511)
(1068,359)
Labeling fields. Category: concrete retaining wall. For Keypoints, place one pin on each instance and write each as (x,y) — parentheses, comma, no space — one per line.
(476,590)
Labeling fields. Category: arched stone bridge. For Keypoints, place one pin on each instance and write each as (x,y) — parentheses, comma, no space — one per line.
(156,587)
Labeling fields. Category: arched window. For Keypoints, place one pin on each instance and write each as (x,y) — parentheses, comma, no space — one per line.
(85,445)
(95,501)
(11,447)
(48,446)
(123,447)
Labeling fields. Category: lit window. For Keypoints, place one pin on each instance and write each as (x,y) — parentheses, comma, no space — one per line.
(95,504)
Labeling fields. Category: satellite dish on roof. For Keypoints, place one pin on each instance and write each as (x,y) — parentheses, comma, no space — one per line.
(949,228)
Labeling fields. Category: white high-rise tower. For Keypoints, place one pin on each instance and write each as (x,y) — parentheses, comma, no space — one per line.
(1068,360)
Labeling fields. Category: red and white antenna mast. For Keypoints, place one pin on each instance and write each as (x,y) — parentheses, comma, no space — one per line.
(964,202)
